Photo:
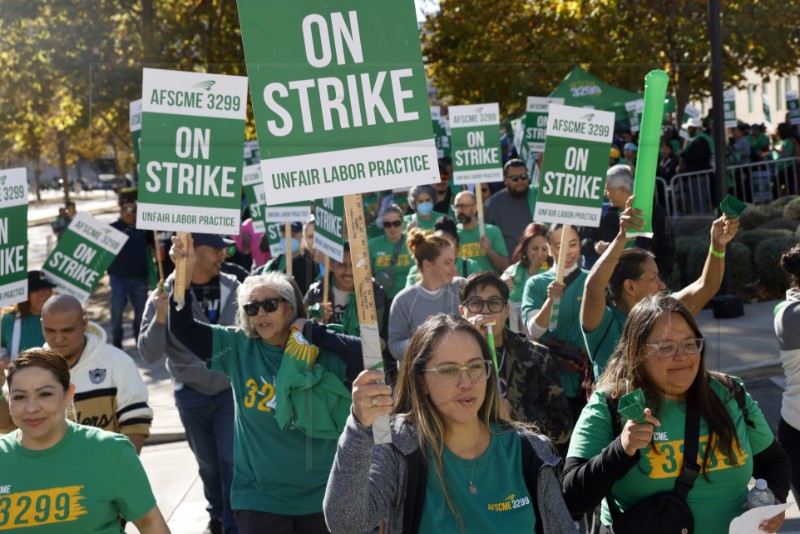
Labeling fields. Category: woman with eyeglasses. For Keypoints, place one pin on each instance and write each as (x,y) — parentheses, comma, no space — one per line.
(530,258)
(455,463)
(389,255)
(288,379)
(623,462)
(527,376)
(59,476)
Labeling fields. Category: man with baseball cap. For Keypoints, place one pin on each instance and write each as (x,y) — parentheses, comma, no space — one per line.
(203,398)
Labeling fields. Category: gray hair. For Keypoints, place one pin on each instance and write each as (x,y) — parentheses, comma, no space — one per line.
(417,191)
(276,281)
(619,176)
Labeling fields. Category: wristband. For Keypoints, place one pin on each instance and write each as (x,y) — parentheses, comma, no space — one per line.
(715,253)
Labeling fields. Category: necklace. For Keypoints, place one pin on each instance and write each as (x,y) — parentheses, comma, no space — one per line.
(472,489)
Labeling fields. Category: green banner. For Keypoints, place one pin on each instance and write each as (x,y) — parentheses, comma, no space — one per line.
(536,122)
(329,227)
(729,108)
(254,192)
(191,160)
(14,236)
(475,134)
(635,108)
(84,252)
(793,107)
(135,114)
(274,239)
(574,167)
(339,96)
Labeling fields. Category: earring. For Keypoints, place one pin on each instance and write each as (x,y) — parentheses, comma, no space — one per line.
(72,412)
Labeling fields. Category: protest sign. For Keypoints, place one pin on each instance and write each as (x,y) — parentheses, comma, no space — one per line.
(84,252)
(14,236)
(254,193)
(536,121)
(273,231)
(475,136)
(691,111)
(135,117)
(793,107)
(286,213)
(329,225)
(634,108)
(729,108)
(574,167)
(252,156)
(440,133)
(765,108)
(191,159)
(339,96)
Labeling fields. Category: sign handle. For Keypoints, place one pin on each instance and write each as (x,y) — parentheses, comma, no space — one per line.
(326,280)
(181,276)
(158,257)
(365,299)
(287,247)
(479,202)
(562,258)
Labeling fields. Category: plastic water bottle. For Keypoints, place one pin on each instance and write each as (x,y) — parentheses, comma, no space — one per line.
(760,495)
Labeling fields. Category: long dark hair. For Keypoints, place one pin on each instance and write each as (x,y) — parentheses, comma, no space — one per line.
(531,231)
(630,266)
(625,371)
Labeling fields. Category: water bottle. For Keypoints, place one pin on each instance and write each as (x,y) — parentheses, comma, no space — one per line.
(760,495)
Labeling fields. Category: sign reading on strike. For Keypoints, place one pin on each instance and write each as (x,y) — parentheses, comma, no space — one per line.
(475,136)
(135,117)
(729,108)
(274,239)
(13,237)
(339,97)
(574,166)
(191,160)
(536,121)
(329,225)
(254,193)
(84,252)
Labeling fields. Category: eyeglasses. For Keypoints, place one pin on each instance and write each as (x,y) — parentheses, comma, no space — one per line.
(462,206)
(392,224)
(268,305)
(475,305)
(450,375)
(519,178)
(129,210)
(669,349)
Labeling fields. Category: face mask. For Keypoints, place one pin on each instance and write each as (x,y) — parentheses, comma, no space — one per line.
(295,245)
(425,208)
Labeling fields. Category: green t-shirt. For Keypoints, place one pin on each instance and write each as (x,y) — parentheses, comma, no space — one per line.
(568,328)
(502,502)
(422,224)
(601,342)
(715,502)
(81,484)
(470,245)
(30,331)
(464,266)
(274,471)
(380,256)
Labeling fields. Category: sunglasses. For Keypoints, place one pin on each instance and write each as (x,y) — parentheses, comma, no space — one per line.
(520,178)
(392,224)
(268,305)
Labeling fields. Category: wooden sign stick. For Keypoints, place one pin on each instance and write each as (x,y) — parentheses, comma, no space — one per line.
(365,298)
(479,202)
(182,278)
(287,246)
(562,259)
(326,280)
(158,258)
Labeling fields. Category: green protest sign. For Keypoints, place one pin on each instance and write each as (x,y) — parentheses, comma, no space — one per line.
(135,114)
(634,108)
(574,166)
(84,252)
(729,108)
(536,121)
(274,239)
(440,133)
(251,154)
(13,237)
(329,227)
(254,193)
(475,135)
(793,107)
(339,97)
(191,160)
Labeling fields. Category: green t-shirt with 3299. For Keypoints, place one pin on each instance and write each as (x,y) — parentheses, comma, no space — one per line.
(380,256)
(471,248)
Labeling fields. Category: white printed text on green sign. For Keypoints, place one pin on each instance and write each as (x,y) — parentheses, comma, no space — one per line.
(475,136)
(254,193)
(13,236)
(329,227)
(135,118)
(536,121)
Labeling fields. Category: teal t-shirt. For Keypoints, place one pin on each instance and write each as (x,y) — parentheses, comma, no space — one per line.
(275,471)
(380,256)
(423,224)
(30,331)
(715,502)
(464,266)
(81,484)
(568,328)
(601,342)
(501,503)
(470,245)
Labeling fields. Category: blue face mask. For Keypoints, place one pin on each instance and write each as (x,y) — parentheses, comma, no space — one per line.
(295,245)
(425,208)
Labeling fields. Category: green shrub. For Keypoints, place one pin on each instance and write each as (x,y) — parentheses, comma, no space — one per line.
(688,225)
(686,263)
(781,224)
(767,259)
(740,265)
(751,238)
(792,209)
(755,216)
(780,203)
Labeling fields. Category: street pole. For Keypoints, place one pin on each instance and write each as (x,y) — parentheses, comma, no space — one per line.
(726,304)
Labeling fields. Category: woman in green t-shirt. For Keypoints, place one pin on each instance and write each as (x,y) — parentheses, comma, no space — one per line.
(530,258)
(455,464)
(61,476)
(389,255)
(21,324)
(622,462)
(420,199)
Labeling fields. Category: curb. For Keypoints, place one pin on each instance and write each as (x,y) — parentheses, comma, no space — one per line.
(765,369)
(48,220)
(167,436)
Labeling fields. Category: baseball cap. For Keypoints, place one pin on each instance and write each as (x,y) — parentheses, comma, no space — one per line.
(37,281)
(211,240)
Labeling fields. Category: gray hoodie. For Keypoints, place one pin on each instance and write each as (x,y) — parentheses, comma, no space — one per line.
(368,483)
(155,340)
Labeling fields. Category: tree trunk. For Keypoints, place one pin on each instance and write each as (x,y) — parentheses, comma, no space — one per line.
(61,145)
(37,176)
(147,28)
